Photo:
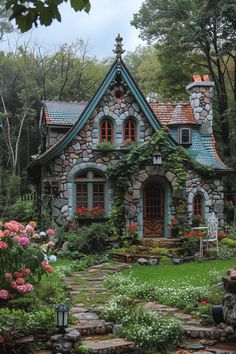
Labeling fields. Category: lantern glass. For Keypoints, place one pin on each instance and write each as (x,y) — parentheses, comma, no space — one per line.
(62,316)
(157,160)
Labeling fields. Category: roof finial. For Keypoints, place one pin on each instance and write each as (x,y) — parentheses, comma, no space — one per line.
(119,50)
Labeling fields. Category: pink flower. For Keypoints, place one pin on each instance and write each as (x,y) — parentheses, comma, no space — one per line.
(7,276)
(20,281)
(26,288)
(13,285)
(14,226)
(3,245)
(25,272)
(46,267)
(4,294)
(6,233)
(16,239)
(204,303)
(29,228)
(36,236)
(33,224)
(50,232)
(50,244)
(24,241)
(18,275)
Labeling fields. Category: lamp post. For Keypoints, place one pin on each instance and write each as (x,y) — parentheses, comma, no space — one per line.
(62,312)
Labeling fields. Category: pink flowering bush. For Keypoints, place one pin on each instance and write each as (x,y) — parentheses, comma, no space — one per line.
(22,260)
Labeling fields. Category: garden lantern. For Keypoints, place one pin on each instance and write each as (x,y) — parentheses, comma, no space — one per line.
(62,312)
(156,158)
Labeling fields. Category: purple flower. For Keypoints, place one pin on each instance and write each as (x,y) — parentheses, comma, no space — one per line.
(24,241)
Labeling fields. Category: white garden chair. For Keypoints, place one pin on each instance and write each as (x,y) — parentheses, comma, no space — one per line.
(212,234)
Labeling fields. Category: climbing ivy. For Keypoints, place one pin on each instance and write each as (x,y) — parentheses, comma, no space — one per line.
(175,159)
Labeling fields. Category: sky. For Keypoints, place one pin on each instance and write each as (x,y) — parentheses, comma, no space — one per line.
(106,19)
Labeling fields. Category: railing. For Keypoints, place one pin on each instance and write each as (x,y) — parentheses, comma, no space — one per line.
(27,197)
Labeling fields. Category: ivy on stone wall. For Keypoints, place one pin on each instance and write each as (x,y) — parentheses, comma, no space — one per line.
(175,159)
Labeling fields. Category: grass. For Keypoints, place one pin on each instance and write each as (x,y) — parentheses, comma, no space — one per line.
(195,274)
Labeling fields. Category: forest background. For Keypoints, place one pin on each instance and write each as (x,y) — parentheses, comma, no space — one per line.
(183,37)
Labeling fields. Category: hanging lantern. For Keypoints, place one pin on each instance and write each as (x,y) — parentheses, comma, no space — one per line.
(156,158)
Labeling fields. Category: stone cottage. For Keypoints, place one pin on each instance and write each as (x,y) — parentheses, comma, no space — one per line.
(71,168)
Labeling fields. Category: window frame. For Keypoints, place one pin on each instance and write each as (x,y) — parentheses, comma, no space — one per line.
(90,182)
(201,203)
(105,121)
(181,136)
(130,121)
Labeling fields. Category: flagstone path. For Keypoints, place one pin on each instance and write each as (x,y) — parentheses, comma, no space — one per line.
(89,296)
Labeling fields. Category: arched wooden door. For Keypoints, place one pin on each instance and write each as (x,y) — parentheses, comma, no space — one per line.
(153,210)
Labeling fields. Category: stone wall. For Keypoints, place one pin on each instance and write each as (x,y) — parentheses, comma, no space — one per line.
(81,153)
(212,191)
(201,94)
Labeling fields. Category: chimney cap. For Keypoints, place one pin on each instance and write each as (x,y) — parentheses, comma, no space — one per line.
(200,81)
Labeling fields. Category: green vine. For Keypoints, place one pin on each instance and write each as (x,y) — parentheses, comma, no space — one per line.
(175,160)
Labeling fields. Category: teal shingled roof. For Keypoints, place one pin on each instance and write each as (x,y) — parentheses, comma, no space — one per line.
(62,113)
(203,150)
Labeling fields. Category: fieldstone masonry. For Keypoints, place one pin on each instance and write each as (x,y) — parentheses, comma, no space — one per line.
(201,94)
(82,153)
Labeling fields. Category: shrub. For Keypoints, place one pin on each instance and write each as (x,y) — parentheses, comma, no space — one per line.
(21,260)
(89,240)
(22,210)
(228,242)
(105,145)
(226,252)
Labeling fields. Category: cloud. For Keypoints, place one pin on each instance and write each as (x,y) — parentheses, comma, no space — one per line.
(99,27)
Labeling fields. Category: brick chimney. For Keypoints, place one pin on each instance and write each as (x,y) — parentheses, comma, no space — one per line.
(201,92)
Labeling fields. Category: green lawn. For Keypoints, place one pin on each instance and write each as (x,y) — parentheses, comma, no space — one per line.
(194,274)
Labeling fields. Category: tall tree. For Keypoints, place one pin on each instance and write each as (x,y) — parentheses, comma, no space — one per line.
(206,28)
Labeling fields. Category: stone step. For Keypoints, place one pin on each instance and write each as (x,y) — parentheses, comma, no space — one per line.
(198,331)
(116,345)
(94,327)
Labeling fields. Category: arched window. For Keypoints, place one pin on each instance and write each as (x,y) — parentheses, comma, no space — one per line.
(130,133)
(198,205)
(106,130)
(90,189)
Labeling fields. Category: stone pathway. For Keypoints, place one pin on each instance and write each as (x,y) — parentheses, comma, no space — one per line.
(89,296)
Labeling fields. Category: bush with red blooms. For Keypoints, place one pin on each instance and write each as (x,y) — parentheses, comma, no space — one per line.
(194,234)
(21,259)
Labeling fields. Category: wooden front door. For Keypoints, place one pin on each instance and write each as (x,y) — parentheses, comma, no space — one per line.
(153,216)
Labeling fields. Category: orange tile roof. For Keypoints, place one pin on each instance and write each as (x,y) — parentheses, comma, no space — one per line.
(173,113)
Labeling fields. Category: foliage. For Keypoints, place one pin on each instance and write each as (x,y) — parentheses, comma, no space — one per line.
(135,249)
(105,146)
(16,320)
(22,210)
(203,36)
(226,252)
(37,11)
(229,242)
(147,330)
(89,240)
(21,259)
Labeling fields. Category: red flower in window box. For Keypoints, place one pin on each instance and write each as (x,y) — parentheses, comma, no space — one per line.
(90,213)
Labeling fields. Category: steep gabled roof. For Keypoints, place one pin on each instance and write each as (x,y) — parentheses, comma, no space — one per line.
(120,68)
(62,113)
